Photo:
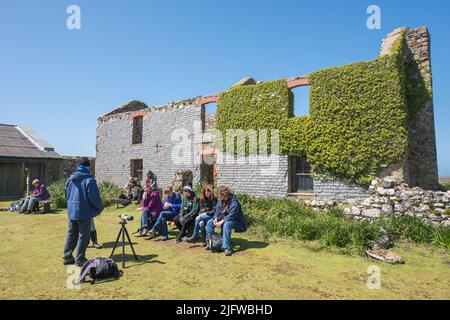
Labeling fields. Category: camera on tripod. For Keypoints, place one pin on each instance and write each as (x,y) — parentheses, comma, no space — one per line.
(126,217)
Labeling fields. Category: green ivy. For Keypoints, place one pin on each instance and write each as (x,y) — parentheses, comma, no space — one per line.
(264,106)
(358,116)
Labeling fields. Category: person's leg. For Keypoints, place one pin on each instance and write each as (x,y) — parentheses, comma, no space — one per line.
(144,220)
(177,222)
(161,219)
(71,241)
(209,230)
(182,232)
(83,241)
(32,204)
(24,205)
(196,227)
(94,235)
(200,223)
(203,223)
(226,235)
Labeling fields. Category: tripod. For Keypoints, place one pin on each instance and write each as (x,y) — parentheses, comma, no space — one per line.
(123,231)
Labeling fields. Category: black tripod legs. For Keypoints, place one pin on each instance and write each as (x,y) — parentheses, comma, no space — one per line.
(131,244)
(115,244)
(123,232)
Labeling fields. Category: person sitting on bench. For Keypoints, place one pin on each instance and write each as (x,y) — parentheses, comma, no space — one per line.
(189,210)
(228,215)
(134,190)
(171,208)
(40,194)
(151,208)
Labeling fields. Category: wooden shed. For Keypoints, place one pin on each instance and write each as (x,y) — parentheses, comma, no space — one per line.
(21,149)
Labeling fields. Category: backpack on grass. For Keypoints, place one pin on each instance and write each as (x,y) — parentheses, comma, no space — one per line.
(99,269)
(214,241)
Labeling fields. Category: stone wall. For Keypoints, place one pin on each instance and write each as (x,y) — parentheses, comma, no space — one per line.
(422,158)
(115,149)
(70,164)
(419,167)
(338,190)
(52,172)
(388,196)
(260,180)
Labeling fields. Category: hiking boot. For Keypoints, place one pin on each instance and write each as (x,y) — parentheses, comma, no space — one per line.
(191,240)
(142,233)
(69,261)
(228,252)
(151,234)
(207,247)
(97,246)
(178,240)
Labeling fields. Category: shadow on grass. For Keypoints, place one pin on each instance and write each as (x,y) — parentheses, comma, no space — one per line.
(110,245)
(149,258)
(244,244)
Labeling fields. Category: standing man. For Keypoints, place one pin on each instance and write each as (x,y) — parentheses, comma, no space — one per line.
(83,204)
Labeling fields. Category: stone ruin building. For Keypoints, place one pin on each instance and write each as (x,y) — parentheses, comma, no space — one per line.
(135,138)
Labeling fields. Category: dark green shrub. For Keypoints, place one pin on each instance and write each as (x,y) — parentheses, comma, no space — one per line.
(56,190)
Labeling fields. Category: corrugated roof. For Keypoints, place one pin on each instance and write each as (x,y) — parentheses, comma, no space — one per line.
(13,144)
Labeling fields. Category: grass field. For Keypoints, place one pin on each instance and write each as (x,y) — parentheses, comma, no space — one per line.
(31,267)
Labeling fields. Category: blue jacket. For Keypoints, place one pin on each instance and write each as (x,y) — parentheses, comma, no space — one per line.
(83,196)
(233,213)
(175,201)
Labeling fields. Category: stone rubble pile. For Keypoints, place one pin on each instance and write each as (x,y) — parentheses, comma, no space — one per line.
(391,197)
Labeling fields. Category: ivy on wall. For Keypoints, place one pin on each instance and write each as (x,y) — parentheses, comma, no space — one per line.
(357,123)
(264,106)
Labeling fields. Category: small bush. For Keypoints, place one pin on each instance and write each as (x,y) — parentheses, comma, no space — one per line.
(56,190)
(109,190)
(445,186)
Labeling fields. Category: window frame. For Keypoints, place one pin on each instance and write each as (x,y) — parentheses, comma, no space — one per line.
(138,131)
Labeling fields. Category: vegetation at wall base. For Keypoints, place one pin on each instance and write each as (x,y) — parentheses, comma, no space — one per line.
(332,228)
(108,190)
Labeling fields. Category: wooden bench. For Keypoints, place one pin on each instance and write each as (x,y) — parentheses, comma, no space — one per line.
(44,206)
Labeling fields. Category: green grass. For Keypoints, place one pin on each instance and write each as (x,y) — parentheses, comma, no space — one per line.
(31,266)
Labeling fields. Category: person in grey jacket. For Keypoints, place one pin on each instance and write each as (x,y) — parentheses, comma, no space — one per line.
(83,204)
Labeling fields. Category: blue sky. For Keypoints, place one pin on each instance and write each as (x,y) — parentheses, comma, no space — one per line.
(59,81)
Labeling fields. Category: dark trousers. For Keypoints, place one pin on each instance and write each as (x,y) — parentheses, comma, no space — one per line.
(185,228)
(78,237)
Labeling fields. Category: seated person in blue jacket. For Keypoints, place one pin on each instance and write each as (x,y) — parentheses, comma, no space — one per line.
(207,204)
(171,208)
(40,194)
(228,215)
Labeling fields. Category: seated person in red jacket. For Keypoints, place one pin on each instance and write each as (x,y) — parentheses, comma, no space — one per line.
(151,208)
(40,194)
